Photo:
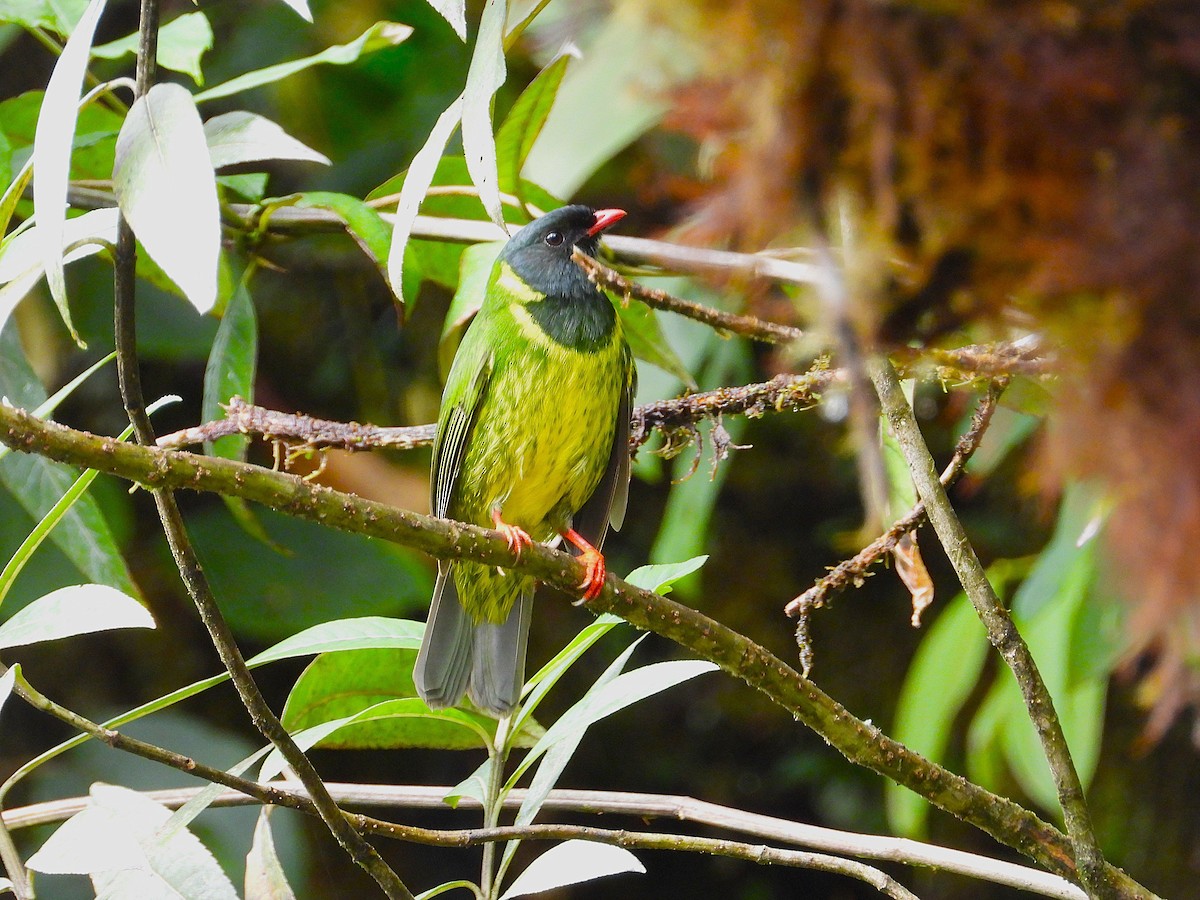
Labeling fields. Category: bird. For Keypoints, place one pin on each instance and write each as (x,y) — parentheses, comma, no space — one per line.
(532,440)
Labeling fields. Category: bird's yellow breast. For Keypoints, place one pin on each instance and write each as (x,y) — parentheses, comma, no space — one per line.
(544,432)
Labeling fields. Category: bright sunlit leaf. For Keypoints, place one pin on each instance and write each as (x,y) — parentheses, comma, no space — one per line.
(241,137)
(572,862)
(70,611)
(486,74)
(165,185)
(378,36)
(416,183)
(265,879)
(52,152)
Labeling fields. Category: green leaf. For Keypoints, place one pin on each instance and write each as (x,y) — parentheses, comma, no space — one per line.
(572,862)
(182,43)
(558,755)
(230,370)
(416,183)
(52,153)
(365,633)
(265,879)
(622,691)
(484,77)
(377,37)
(1048,608)
(661,576)
(241,137)
(617,92)
(441,722)
(343,634)
(165,185)
(1008,430)
(38,484)
(338,686)
(476,265)
(524,122)
(647,341)
(548,675)
(70,611)
(454,12)
(943,673)
(366,226)
(59,16)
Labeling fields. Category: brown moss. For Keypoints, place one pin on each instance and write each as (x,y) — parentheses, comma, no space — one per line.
(1033,156)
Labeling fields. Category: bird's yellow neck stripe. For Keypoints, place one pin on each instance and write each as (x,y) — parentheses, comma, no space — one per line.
(514,286)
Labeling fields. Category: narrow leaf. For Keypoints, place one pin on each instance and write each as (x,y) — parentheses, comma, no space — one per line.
(368,632)
(622,691)
(52,152)
(301,9)
(524,123)
(22,266)
(241,137)
(942,676)
(416,183)
(265,879)
(454,12)
(647,341)
(230,369)
(557,757)
(572,862)
(484,77)
(41,486)
(378,36)
(475,269)
(7,680)
(80,609)
(182,43)
(165,185)
(366,226)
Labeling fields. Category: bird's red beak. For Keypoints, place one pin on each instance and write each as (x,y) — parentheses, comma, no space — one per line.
(604,218)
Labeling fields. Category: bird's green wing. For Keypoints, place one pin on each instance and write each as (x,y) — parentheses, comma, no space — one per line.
(607,504)
(460,407)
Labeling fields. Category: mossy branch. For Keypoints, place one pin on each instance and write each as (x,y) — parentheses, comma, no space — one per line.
(861,742)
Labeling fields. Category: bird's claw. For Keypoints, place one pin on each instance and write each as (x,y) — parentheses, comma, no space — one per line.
(593,582)
(518,539)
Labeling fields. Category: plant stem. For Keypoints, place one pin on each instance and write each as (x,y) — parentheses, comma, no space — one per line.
(497,757)
(1001,631)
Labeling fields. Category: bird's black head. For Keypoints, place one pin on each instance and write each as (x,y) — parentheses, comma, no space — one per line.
(540,253)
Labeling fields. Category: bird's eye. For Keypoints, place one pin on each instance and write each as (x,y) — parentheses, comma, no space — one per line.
(554,239)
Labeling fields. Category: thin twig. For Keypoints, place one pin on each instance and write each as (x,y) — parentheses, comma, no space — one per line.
(1001,631)
(732,323)
(198,588)
(643,806)
(860,741)
(854,570)
(784,393)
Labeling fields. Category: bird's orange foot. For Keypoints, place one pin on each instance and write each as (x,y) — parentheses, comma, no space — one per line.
(593,562)
(518,539)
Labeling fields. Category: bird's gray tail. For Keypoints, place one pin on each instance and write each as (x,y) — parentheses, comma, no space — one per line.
(460,656)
